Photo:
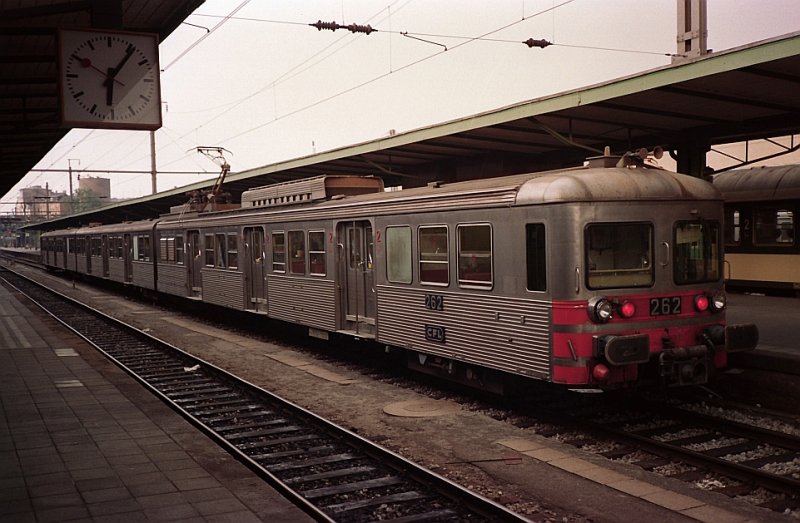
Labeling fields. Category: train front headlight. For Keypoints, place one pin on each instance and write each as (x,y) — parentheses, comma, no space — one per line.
(600,310)
(718,301)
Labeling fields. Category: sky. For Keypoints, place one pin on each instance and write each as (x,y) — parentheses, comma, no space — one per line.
(254,78)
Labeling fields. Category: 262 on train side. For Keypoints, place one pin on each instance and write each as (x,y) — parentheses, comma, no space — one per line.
(602,276)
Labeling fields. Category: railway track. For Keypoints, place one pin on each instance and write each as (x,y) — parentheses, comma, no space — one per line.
(333,474)
(755,457)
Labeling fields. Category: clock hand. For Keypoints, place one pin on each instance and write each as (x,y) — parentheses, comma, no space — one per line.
(109,83)
(87,64)
(113,72)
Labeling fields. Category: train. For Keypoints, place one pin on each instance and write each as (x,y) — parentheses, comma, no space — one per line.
(762,251)
(601,277)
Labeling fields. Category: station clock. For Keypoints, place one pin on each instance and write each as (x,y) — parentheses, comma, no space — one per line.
(109,79)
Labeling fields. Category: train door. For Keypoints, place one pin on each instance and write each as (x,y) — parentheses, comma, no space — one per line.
(104,254)
(194,264)
(254,269)
(127,245)
(356,276)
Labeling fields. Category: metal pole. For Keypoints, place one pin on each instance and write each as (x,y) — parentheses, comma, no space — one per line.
(153,161)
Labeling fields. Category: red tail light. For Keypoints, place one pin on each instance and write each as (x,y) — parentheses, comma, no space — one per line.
(627,309)
(701,302)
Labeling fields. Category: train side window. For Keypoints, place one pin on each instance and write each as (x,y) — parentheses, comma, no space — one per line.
(398,254)
(141,248)
(209,250)
(162,249)
(773,226)
(619,255)
(434,263)
(697,255)
(733,230)
(535,256)
(278,252)
(221,251)
(297,252)
(179,249)
(475,256)
(316,253)
(233,251)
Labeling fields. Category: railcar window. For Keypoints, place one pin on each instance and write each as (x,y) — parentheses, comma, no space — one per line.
(434,263)
(773,226)
(316,252)
(475,255)
(141,248)
(697,256)
(398,254)
(733,231)
(233,251)
(619,255)
(162,249)
(278,252)
(220,251)
(536,261)
(97,247)
(209,250)
(71,245)
(297,252)
(179,249)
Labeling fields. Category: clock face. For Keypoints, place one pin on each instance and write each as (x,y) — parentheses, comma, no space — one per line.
(110,79)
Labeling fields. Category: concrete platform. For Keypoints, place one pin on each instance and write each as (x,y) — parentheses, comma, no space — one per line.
(80,440)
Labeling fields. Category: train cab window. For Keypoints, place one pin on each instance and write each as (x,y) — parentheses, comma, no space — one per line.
(232,251)
(398,254)
(209,250)
(697,255)
(619,255)
(297,252)
(773,226)
(475,256)
(434,263)
(535,257)
(278,252)
(316,253)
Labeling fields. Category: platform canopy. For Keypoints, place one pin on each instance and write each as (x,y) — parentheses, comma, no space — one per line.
(29,106)
(740,94)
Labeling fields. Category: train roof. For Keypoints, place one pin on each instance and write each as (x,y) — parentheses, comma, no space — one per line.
(579,184)
(137,226)
(760,183)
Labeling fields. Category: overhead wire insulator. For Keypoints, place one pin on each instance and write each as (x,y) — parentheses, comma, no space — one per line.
(320,25)
(353,28)
(530,42)
(356,28)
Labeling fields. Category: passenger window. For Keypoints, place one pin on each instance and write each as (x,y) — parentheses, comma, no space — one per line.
(316,252)
(535,257)
(233,251)
(697,257)
(398,254)
(278,252)
(297,251)
(209,250)
(619,255)
(774,226)
(434,264)
(475,256)
(179,249)
(220,251)
(733,231)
